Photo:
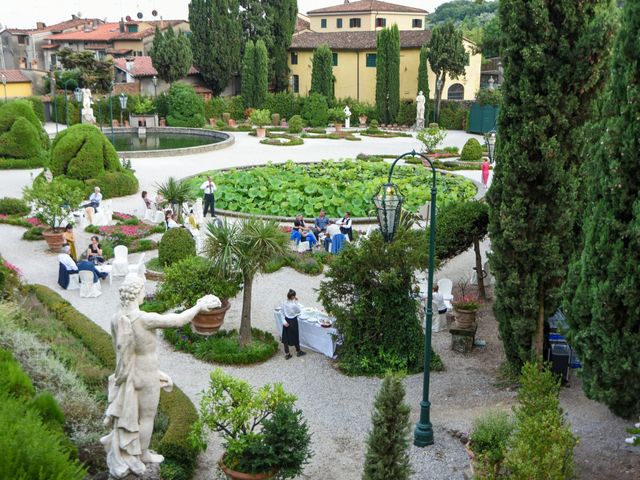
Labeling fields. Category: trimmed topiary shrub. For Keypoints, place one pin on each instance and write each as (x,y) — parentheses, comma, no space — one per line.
(316,110)
(175,245)
(82,152)
(48,409)
(295,124)
(407,113)
(38,107)
(284,103)
(14,206)
(472,151)
(23,141)
(186,109)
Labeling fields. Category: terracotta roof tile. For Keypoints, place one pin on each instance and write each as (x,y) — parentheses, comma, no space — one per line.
(302,24)
(355,40)
(67,24)
(14,76)
(367,6)
(110,32)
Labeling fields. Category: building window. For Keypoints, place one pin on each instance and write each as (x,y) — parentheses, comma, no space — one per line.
(416,23)
(455,92)
(323,23)
(338,23)
(294,58)
(334,58)
(296,84)
(354,23)
(21,39)
(381,22)
(132,28)
(371,60)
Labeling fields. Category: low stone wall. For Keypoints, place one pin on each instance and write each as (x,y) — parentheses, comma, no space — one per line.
(227,140)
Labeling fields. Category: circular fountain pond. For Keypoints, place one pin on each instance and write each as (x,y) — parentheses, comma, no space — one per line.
(166,141)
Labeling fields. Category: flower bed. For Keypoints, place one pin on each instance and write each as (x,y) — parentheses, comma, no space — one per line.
(289,189)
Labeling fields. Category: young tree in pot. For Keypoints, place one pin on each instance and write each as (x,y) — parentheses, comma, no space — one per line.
(190,279)
(337,116)
(264,435)
(260,118)
(246,247)
(53,202)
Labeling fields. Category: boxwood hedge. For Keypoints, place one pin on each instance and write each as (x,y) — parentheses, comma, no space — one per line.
(174,444)
(23,141)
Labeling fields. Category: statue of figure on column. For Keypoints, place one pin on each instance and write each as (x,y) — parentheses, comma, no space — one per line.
(347,117)
(420,103)
(87,111)
(134,388)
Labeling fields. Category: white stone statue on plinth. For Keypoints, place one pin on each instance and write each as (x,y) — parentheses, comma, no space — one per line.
(87,111)
(420,102)
(347,117)
(134,388)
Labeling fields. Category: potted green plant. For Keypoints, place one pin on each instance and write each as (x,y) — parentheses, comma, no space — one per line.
(264,435)
(337,116)
(360,111)
(466,309)
(175,193)
(260,118)
(53,202)
(190,279)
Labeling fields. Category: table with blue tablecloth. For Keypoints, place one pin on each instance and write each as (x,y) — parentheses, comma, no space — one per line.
(313,336)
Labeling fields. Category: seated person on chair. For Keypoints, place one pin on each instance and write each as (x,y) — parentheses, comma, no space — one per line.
(332,230)
(94,252)
(147,201)
(301,233)
(345,225)
(170,220)
(320,224)
(94,199)
(85,265)
(66,266)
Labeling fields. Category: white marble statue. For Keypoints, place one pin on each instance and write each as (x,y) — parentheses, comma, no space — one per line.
(87,111)
(134,388)
(420,102)
(347,117)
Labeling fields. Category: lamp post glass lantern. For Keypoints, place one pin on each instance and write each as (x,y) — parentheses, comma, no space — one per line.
(490,140)
(55,103)
(113,138)
(123,105)
(436,110)
(155,85)
(388,203)
(78,94)
(4,84)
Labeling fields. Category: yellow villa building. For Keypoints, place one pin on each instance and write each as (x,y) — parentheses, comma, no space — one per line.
(350,30)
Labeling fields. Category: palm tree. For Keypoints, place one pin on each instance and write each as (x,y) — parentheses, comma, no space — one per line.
(247,247)
(175,192)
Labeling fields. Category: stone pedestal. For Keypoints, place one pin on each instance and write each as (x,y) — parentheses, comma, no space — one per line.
(462,339)
(87,116)
(347,123)
(420,124)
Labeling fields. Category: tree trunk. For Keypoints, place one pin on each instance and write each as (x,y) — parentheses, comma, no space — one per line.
(482,294)
(245,320)
(539,336)
(439,97)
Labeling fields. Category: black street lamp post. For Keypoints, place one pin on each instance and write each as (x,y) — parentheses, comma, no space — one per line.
(388,203)
(113,138)
(55,103)
(66,100)
(3,77)
(436,110)
(490,141)
(155,85)
(99,102)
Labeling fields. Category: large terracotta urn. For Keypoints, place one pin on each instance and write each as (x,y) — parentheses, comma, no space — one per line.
(54,239)
(208,323)
(465,318)
(235,475)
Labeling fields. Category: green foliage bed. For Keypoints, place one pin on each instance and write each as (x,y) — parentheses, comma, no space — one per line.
(337,187)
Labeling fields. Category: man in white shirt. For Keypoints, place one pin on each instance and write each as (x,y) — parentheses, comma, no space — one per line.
(345,225)
(332,229)
(439,309)
(94,199)
(209,199)
(65,259)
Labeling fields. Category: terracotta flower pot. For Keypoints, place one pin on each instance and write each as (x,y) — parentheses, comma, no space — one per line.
(54,239)
(208,323)
(261,132)
(338,127)
(234,475)
(465,318)
(363,120)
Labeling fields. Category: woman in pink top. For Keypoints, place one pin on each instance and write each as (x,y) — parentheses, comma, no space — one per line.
(485,172)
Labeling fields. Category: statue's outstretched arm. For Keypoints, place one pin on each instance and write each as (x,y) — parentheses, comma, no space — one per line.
(168,320)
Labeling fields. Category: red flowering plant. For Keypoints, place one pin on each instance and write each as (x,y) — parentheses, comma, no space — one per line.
(124,234)
(467,302)
(123,217)
(286,229)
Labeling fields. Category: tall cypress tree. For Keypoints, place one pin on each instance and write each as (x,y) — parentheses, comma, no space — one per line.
(388,74)
(393,67)
(551,74)
(322,72)
(283,15)
(423,73)
(382,81)
(261,73)
(173,58)
(215,40)
(604,306)
(248,79)
(388,443)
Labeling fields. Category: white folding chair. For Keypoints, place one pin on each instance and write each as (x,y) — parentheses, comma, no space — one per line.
(139,268)
(445,286)
(303,246)
(120,265)
(88,288)
(74,282)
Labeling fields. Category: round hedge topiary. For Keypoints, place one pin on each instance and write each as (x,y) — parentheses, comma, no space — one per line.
(295,124)
(14,206)
(82,152)
(472,151)
(316,110)
(176,244)
(23,141)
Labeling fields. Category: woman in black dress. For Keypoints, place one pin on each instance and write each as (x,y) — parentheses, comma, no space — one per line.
(94,253)
(290,332)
